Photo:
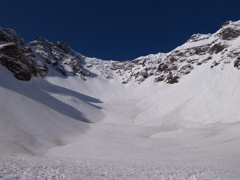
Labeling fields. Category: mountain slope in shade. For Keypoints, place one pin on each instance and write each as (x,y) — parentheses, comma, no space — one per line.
(33,119)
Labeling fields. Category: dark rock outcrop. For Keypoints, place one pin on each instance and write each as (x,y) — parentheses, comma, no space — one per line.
(229,33)
(237,63)
(16,56)
(60,56)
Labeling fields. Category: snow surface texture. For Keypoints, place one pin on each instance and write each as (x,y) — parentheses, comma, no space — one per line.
(109,121)
(36,168)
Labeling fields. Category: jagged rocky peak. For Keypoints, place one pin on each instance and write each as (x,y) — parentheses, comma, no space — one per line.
(68,50)
(229,30)
(60,56)
(16,56)
(41,39)
(198,37)
(9,35)
(64,46)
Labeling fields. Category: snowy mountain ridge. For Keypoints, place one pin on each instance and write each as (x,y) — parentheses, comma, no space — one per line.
(221,46)
(218,49)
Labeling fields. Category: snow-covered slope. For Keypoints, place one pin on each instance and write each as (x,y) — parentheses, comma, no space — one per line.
(177,106)
(38,115)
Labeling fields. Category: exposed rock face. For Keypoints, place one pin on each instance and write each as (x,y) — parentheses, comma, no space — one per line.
(34,58)
(237,63)
(60,56)
(16,56)
(229,33)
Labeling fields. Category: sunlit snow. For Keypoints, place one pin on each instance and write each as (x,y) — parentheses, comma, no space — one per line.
(69,128)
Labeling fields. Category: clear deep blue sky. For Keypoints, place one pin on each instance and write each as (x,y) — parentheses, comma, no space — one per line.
(117,29)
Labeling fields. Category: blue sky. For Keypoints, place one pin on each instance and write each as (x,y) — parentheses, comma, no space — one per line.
(113,29)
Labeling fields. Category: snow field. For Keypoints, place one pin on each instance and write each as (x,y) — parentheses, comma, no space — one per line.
(101,129)
(41,168)
(113,146)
